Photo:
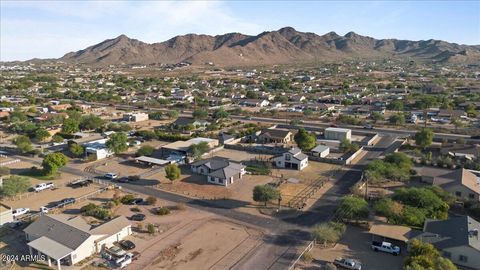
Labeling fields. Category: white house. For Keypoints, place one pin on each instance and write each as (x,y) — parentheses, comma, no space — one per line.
(68,240)
(293,159)
(6,214)
(98,148)
(219,171)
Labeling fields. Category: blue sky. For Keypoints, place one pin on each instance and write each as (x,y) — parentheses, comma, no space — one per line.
(47,29)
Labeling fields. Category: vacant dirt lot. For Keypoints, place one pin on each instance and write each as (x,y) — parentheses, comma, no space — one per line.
(239,155)
(215,244)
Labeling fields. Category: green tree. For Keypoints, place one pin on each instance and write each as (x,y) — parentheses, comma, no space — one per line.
(197,150)
(397,119)
(376,116)
(265,193)
(172,114)
(426,256)
(76,149)
(251,94)
(145,150)
(308,112)
(457,123)
(41,134)
(172,172)
(14,185)
(118,142)
(151,228)
(70,126)
(23,143)
(424,138)
(53,161)
(17,116)
(347,146)
(57,138)
(200,114)
(305,140)
(220,113)
(352,207)
(395,105)
(91,122)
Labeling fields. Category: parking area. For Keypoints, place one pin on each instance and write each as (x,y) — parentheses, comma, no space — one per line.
(356,244)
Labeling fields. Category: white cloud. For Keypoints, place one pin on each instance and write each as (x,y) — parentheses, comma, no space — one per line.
(49,29)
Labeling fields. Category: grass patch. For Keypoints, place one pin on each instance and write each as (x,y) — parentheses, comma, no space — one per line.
(258,169)
(37,173)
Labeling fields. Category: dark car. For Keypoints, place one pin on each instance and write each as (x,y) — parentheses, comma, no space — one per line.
(127,244)
(66,201)
(123,180)
(136,201)
(138,217)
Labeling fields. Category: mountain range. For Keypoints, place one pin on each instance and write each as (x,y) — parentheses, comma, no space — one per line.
(284,46)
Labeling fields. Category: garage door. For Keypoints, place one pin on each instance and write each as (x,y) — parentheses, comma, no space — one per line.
(295,166)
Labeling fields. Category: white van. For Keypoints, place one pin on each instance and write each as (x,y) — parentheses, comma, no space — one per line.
(111,176)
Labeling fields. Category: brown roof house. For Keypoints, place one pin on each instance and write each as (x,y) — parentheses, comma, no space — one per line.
(273,135)
(70,239)
(461,182)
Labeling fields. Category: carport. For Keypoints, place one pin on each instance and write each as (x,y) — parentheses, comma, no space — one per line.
(52,250)
(387,232)
(152,161)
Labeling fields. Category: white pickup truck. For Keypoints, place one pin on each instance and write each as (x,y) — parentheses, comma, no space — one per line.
(43,186)
(385,247)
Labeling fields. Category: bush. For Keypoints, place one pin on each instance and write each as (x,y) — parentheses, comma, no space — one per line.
(135,209)
(96,211)
(151,200)
(352,207)
(127,199)
(162,211)
(330,232)
(145,150)
(388,208)
(307,257)
(258,170)
(151,228)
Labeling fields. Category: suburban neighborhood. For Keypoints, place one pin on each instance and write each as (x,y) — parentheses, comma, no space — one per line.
(226,158)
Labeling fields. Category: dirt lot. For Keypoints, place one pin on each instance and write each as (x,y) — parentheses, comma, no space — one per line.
(356,244)
(239,155)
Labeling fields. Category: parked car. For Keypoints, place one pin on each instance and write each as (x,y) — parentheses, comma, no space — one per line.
(20,211)
(116,251)
(43,186)
(111,176)
(385,247)
(80,183)
(136,201)
(66,201)
(368,126)
(138,217)
(123,180)
(44,210)
(347,263)
(124,260)
(126,244)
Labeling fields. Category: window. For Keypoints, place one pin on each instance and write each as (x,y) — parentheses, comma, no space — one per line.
(220,181)
(463,258)
(447,254)
(458,193)
(287,157)
(471,196)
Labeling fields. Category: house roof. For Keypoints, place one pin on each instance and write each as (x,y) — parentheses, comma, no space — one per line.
(227,172)
(183,121)
(275,133)
(70,233)
(297,153)
(459,176)
(213,163)
(320,148)
(453,232)
(220,167)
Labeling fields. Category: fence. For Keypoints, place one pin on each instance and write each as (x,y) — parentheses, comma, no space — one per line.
(9,162)
(307,249)
(268,150)
(299,200)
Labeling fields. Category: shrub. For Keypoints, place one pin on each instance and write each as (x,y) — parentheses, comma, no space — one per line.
(151,200)
(96,211)
(352,207)
(127,199)
(162,211)
(307,257)
(151,228)
(329,232)
(135,209)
